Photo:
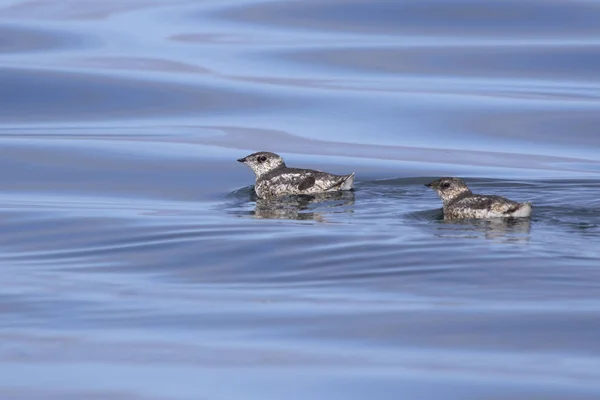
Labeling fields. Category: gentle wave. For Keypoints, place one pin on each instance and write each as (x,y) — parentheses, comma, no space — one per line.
(133,247)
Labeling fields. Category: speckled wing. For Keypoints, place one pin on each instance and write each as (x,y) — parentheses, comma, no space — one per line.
(479,206)
(293,181)
(319,182)
(306,183)
(285,182)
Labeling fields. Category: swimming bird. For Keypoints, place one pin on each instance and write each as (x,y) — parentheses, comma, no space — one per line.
(274,178)
(460,202)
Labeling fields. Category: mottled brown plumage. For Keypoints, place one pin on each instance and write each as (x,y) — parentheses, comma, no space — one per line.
(460,202)
(274,178)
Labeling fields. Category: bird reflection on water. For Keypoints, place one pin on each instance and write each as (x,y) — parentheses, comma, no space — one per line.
(303,207)
(300,207)
(496,229)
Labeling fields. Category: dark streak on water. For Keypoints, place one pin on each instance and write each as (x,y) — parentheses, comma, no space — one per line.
(138,264)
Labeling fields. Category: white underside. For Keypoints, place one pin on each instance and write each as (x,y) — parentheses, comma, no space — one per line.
(348,183)
(523,211)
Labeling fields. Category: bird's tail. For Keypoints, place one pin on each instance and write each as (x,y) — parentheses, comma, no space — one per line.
(345,183)
(348,182)
(522,210)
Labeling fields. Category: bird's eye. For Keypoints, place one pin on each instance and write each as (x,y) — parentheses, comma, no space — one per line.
(262,158)
(446,185)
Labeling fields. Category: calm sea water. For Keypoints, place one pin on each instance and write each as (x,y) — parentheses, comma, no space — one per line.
(137,264)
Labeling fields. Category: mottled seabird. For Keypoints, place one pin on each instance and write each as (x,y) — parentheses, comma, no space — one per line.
(274,178)
(460,202)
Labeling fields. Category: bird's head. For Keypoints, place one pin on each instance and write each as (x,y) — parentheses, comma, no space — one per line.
(449,188)
(262,162)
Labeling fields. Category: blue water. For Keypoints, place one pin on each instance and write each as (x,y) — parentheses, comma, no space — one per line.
(138,264)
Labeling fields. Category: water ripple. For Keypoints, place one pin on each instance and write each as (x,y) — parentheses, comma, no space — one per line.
(133,247)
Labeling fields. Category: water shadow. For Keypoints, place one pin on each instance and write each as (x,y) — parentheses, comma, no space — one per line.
(42,96)
(14,39)
(459,18)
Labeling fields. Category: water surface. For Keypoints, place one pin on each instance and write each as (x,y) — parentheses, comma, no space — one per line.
(138,264)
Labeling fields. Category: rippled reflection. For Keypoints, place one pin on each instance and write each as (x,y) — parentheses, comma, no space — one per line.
(303,207)
(121,243)
(500,229)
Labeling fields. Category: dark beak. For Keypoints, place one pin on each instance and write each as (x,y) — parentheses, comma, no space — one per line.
(242,159)
(428,185)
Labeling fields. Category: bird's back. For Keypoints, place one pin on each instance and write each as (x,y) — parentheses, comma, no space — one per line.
(291,181)
(481,206)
